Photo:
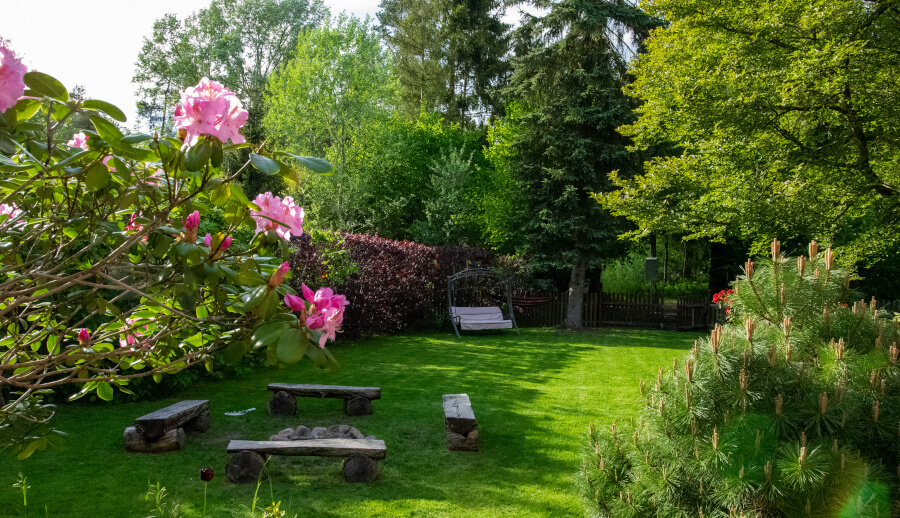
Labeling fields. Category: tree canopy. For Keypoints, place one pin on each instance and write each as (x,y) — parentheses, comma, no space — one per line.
(786,120)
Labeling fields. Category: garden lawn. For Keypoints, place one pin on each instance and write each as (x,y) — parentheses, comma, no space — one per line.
(533,396)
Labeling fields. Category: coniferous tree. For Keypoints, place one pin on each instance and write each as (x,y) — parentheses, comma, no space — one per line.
(569,77)
(789,410)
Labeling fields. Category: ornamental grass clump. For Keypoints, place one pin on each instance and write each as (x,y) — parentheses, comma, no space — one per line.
(792,408)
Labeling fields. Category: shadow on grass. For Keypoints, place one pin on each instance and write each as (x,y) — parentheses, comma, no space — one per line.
(532,395)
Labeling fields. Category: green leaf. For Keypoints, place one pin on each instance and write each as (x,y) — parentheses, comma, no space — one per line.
(22,111)
(217,155)
(136,138)
(291,346)
(43,84)
(264,164)
(97,178)
(198,156)
(107,130)
(234,352)
(105,392)
(318,165)
(268,333)
(105,107)
(32,446)
(254,297)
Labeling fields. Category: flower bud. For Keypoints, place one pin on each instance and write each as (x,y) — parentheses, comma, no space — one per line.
(207,241)
(190,227)
(84,336)
(225,244)
(279,275)
(206,474)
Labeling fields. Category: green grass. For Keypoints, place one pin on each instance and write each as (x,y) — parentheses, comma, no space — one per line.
(533,396)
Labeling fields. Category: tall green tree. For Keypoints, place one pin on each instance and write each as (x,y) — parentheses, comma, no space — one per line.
(786,118)
(238,43)
(569,80)
(450,55)
(333,99)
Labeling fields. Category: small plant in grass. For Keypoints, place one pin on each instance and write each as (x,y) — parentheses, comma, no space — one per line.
(791,409)
(22,484)
(157,494)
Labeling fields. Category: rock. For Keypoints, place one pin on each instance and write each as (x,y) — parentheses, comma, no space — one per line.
(302,432)
(370,437)
(355,434)
(339,430)
(320,433)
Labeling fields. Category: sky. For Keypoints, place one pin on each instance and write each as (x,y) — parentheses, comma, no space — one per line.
(95,43)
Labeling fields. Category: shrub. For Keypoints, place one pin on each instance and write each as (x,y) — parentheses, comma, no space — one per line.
(790,409)
(392,285)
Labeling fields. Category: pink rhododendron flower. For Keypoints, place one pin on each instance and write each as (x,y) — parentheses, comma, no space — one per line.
(105,162)
(283,211)
(332,319)
(210,109)
(294,302)
(84,336)
(79,140)
(279,275)
(207,241)
(12,84)
(131,337)
(12,210)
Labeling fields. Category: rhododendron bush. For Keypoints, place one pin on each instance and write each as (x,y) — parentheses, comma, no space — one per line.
(104,275)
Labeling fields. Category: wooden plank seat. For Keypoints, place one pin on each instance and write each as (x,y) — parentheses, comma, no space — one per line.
(479,319)
(459,422)
(248,461)
(163,430)
(357,400)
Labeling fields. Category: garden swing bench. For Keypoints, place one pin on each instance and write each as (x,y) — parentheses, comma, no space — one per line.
(470,294)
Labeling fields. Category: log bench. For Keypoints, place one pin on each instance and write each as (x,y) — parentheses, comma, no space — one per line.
(357,400)
(459,421)
(248,461)
(163,430)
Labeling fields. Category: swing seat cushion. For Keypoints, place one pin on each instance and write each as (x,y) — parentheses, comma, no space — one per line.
(477,319)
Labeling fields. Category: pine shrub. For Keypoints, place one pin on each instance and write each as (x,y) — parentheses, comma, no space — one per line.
(791,409)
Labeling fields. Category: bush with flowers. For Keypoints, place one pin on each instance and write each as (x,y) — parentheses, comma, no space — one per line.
(104,276)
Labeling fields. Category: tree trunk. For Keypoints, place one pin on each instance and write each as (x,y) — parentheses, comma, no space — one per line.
(653,245)
(576,294)
(666,262)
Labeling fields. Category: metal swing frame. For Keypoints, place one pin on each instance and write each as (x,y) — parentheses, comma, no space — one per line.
(453,289)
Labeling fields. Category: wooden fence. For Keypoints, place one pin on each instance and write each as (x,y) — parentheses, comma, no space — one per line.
(599,309)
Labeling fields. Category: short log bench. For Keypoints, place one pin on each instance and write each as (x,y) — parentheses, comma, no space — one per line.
(357,400)
(459,421)
(163,430)
(361,464)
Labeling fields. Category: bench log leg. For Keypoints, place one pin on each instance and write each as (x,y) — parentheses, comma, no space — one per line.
(172,440)
(358,405)
(199,424)
(282,403)
(459,442)
(359,468)
(246,467)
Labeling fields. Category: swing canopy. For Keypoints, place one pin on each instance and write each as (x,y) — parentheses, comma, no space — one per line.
(480,299)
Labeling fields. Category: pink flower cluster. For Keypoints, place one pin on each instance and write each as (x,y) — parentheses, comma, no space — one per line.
(131,337)
(210,109)
(325,312)
(12,210)
(79,140)
(12,84)
(283,211)
(191,224)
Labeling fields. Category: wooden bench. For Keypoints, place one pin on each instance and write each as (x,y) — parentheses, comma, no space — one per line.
(163,430)
(248,461)
(459,421)
(357,400)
